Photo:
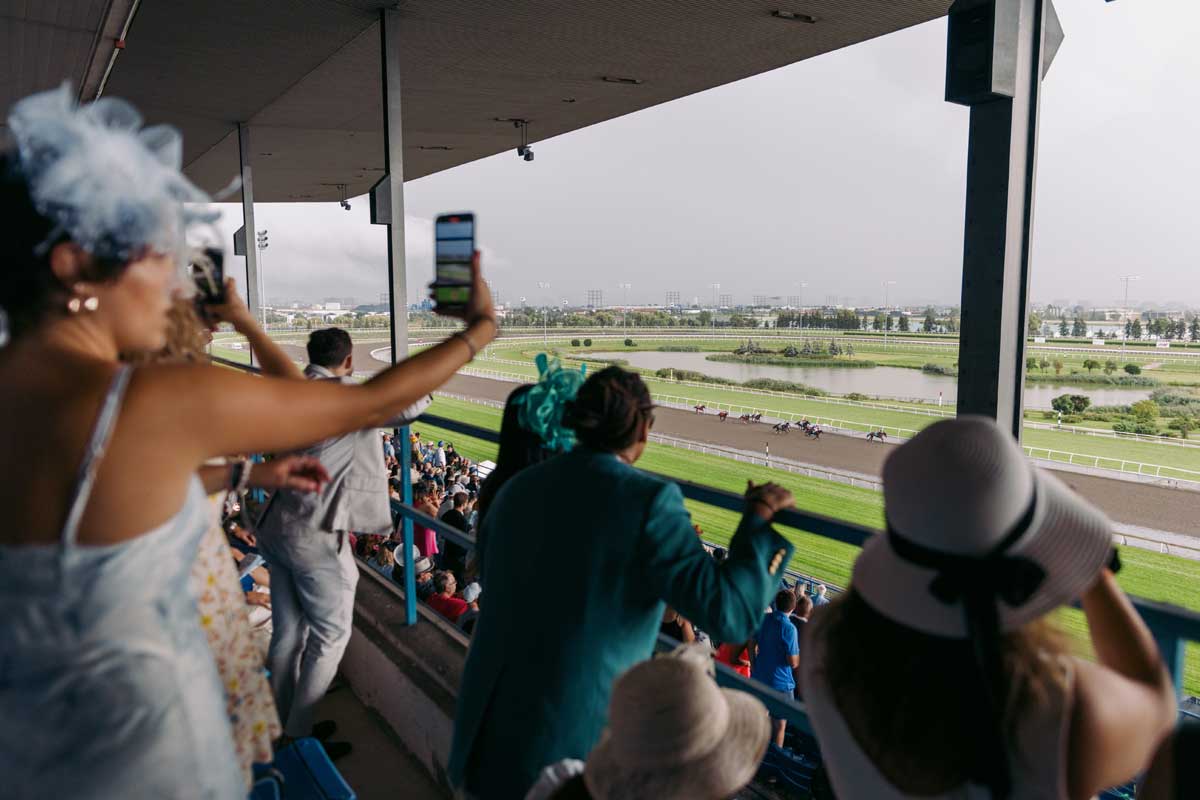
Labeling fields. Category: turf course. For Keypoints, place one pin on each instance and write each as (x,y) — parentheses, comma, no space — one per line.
(1153,576)
(1118,454)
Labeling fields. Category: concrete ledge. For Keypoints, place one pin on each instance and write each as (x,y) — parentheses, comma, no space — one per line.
(409,675)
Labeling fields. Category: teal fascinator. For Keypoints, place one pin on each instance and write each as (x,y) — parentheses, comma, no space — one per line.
(540,410)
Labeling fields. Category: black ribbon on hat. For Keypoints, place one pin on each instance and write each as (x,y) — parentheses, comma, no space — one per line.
(979,583)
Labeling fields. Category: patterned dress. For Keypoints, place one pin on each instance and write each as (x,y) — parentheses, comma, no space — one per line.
(225,619)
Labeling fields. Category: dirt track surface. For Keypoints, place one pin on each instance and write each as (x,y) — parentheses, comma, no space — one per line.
(1129,502)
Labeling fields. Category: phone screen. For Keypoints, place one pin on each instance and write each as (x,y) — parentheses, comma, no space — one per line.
(454,248)
(208,272)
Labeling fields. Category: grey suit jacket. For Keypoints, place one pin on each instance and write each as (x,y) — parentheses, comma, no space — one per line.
(356,498)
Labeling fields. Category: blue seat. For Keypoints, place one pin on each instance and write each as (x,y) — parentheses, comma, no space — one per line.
(265,789)
(308,774)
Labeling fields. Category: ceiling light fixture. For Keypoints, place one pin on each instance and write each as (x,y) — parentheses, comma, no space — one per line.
(434,147)
(616,79)
(794,16)
(524,150)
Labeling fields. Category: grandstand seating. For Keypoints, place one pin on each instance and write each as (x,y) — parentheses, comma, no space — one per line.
(301,771)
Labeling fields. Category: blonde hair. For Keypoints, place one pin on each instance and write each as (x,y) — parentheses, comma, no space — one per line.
(187,338)
(385,556)
(911,699)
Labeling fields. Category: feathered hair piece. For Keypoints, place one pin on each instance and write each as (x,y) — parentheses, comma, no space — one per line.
(114,187)
(540,410)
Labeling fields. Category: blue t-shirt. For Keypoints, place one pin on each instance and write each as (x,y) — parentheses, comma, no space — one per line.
(777,641)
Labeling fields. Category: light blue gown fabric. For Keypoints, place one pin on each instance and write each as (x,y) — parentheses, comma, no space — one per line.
(108,688)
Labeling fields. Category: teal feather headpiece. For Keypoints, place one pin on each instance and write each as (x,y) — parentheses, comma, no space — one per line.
(540,410)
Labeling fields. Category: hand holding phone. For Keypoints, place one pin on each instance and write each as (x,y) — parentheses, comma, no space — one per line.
(208,273)
(454,256)
(459,289)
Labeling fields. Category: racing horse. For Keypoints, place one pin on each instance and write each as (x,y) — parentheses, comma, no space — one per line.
(782,427)
(878,436)
(722,415)
(699,409)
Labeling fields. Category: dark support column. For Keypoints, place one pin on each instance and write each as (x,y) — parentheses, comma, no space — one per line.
(247,232)
(387,208)
(994,64)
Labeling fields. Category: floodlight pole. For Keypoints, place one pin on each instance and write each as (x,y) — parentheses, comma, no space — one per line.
(545,314)
(887,312)
(1125,308)
(625,287)
(714,287)
(997,53)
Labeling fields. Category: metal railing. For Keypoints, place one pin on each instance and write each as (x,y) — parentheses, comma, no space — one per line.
(833,424)
(687,403)
(1171,626)
(1107,434)
(1110,463)
(831,399)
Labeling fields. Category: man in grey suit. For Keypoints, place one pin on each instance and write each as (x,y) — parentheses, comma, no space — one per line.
(303,537)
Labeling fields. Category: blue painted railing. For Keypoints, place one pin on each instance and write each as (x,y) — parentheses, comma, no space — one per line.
(1171,626)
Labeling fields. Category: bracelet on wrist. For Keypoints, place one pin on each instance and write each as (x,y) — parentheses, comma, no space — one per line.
(484,318)
(241,476)
(467,341)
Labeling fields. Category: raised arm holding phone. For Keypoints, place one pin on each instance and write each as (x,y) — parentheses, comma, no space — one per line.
(100,459)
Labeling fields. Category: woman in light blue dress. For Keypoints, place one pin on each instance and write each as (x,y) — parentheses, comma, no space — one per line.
(107,686)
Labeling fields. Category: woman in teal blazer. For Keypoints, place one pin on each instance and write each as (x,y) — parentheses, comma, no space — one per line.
(583,553)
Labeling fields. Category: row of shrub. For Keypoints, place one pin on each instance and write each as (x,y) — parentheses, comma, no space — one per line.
(767,384)
(586,343)
(775,359)
(1140,417)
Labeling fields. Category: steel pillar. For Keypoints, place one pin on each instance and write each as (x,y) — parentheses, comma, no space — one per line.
(995,61)
(387,208)
(253,299)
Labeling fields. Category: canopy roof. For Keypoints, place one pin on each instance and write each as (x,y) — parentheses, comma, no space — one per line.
(305,74)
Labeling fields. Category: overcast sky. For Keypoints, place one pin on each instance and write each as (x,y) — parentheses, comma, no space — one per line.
(840,172)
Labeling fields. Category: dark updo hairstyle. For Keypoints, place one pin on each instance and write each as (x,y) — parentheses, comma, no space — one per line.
(519,448)
(29,289)
(609,410)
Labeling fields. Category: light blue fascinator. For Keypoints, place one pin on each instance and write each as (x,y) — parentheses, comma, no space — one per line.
(540,410)
(110,184)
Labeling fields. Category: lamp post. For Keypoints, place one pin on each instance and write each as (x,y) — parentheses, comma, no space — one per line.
(887,311)
(802,286)
(1125,308)
(714,287)
(545,314)
(260,241)
(624,287)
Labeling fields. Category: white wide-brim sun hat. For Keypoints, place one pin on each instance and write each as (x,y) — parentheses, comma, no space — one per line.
(673,733)
(962,487)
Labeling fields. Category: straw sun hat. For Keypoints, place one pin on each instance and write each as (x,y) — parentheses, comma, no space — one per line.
(673,733)
(969,517)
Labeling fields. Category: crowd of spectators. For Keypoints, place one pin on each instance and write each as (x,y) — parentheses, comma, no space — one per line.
(446,486)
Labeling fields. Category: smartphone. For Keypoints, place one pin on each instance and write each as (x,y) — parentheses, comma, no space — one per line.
(453,252)
(208,273)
